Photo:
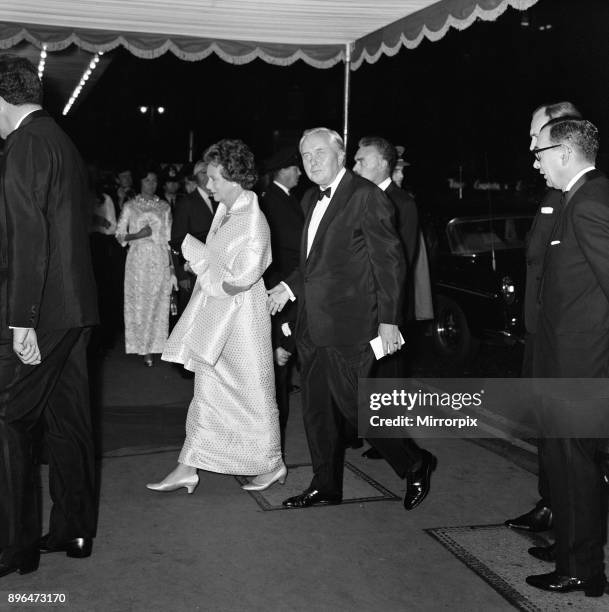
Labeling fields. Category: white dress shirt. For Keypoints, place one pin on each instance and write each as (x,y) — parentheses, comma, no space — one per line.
(282,187)
(320,210)
(384,184)
(577,177)
(205,197)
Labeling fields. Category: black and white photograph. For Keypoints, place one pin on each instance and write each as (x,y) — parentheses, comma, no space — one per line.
(304,305)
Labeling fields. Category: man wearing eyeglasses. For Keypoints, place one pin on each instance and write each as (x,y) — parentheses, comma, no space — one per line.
(539,518)
(573,342)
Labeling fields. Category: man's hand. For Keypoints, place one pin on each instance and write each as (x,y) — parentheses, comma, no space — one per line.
(25,345)
(185,284)
(277,298)
(281,356)
(390,335)
(174,282)
(187,267)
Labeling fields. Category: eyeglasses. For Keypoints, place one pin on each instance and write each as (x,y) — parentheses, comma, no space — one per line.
(536,152)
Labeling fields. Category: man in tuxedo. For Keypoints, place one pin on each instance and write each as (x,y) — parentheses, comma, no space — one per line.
(193,214)
(47,304)
(375,160)
(539,518)
(573,342)
(348,290)
(285,219)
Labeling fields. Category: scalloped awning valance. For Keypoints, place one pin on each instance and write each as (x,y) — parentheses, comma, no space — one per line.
(239,31)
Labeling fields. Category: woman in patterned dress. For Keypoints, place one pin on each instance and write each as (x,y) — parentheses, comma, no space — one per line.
(145,225)
(224,336)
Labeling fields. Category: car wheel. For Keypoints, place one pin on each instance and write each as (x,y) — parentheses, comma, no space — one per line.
(452,337)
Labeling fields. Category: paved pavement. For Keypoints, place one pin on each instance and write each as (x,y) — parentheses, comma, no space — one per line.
(218,550)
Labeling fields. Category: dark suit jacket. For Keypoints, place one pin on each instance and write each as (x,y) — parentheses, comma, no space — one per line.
(573,330)
(46,279)
(286,220)
(191,215)
(407,219)
(354,275)
(537,242)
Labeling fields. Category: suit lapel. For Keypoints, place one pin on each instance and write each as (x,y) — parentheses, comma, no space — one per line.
(309,200)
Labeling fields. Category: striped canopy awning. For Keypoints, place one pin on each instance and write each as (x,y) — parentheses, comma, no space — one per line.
(317,32)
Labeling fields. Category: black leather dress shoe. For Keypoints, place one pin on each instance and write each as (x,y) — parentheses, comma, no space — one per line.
(78,548)
(538,519)
(419,481)
(311,498)
(544,553)
(24,563)
(372,453)
(592,587)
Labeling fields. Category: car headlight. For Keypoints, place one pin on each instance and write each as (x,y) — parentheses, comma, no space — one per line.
(508,290)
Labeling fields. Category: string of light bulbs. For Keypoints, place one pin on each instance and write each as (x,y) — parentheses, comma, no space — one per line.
(85,77)
(42,61)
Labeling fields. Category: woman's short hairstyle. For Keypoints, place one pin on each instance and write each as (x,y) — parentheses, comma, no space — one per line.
(236,161)
(142,173)
(19,81)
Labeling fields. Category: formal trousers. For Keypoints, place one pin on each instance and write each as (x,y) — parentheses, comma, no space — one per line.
(329,377)
(53,394)
(574,477)
(543,486)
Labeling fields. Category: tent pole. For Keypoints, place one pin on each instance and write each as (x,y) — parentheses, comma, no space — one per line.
(347,92)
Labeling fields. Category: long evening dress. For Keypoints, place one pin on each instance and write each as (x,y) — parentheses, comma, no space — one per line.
(147,275)
(232,425)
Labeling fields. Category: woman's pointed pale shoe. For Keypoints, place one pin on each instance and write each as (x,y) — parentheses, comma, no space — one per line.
(264,481)
(190,484)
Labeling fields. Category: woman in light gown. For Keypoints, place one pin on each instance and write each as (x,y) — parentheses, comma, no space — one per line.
(224,336)
(145,225)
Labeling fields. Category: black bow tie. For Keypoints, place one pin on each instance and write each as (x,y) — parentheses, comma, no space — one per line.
(324,192)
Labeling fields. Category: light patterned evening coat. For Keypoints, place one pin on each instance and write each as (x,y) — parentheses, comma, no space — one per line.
(232,425)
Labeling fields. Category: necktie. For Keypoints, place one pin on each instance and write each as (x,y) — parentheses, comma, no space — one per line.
(324,193)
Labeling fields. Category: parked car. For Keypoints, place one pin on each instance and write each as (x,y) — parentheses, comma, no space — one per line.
(478,275)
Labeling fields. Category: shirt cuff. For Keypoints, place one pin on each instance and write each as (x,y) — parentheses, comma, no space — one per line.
(290,294)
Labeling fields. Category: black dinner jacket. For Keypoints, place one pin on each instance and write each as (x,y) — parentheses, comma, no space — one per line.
(46,279)
(354,275)
(191,215)
(407,220)
(286,220)
(537,243)
(574,295)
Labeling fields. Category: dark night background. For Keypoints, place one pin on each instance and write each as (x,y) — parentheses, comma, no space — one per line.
(465,100)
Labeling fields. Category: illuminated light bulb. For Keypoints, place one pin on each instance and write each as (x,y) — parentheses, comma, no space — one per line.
(143,110)
(160,110)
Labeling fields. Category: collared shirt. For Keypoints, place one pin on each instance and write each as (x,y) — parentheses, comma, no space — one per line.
(24,116)
(384,184)
(577,177)
(282,187)
(205,197)
(320,210)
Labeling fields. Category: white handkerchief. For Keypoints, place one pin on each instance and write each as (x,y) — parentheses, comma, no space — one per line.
(285,328)
(546,210)
(377,346)
(554,242)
